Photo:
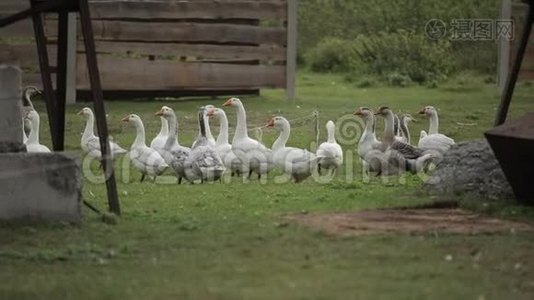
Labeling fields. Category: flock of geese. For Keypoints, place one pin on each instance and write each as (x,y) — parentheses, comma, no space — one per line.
(209,158)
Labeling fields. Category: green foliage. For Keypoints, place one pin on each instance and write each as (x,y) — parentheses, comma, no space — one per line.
(332,55)
(376,21)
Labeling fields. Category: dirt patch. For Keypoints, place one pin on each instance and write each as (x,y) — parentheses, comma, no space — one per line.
(448,220)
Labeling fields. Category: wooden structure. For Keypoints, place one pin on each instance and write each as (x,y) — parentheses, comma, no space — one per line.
(507,49)
(172,48)
(55,100)
(513,142)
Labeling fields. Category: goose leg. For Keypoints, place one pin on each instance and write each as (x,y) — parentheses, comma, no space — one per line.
(142,177)
(179,180)
(319,169)
(249,174)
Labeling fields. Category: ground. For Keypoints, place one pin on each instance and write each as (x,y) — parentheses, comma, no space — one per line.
(239,241)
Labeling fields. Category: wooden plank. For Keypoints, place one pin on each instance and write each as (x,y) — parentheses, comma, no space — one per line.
(291,61)
(212,9)
(206,9)
(25,55)
(503,48)
(207,51)
(22,29)
(173,75)
(183,32)
(71,60)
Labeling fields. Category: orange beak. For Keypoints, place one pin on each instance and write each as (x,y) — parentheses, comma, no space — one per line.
(159,113)
(80,113)
(422,111)
(126,119)
(228,102)
(270,123)
(211,113)
(358,112)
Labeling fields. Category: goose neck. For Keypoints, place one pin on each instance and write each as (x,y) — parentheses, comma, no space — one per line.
(434,123)
(405,131)
(222,139)
(389,134)
(283,137)
(241,126)
(140,136)
(33,138)
(331,132)
(172,137)
(89,126)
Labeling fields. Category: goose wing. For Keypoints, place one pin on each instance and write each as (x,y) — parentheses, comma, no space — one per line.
(406,150)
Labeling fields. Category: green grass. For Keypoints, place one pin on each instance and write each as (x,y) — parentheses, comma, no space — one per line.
(230,241)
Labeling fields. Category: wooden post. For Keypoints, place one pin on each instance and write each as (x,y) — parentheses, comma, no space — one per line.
(61,77)
(71,59)
(503,49)
(10,106)
(291,56)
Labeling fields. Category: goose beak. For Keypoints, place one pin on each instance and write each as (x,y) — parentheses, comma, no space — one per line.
(80,113)
(270,123)
(159,113)
(125,119)
(358,112)
(228,102)
(422,111)
(414,120)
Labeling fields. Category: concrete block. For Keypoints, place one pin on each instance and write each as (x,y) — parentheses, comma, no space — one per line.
(10,105)
(40,186)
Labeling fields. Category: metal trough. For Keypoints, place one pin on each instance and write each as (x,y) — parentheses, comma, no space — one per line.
(513,145)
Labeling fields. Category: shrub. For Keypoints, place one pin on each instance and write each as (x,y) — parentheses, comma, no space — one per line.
(332,55)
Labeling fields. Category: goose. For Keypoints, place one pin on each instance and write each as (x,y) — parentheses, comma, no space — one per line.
(433,140)
(297,163)
(27,105)
(329,153)
(395,156)
(90,143)
(147,160)
(159,141)
(254,156)
(404,136)
(32,143)
(173,153)
(209,136)
(223,147)
(368,139)
(203,163)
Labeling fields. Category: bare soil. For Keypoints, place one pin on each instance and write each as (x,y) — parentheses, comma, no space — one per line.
(417,220)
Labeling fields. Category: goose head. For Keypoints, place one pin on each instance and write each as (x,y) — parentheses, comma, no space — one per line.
(364,112)
(214,112)
(406,118)
(428,111)
(28,92)
(132,118)
(232,102)
(383,111)
(165,112)
(277,122)
(86,112)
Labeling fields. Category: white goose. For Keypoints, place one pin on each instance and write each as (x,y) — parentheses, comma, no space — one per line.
(209,136)
(27,105)
(159,141)
(32,144)
(329,153)
(298,163)
(254,156)
(203,163)
(433,140)
(368,139)
(231,162)
(90,143)
(173,153)
(147,160)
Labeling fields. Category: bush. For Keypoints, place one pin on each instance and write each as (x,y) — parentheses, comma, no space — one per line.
(403,54)
(332,55)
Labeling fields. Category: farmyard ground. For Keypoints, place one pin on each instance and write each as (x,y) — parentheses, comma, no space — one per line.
(234,241)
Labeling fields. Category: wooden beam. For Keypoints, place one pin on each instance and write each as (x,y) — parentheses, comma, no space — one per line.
(291,60)
(504,48)
(71,60)
(173,75)
(183,32)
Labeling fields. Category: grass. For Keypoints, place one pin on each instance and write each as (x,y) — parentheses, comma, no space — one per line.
(230,241)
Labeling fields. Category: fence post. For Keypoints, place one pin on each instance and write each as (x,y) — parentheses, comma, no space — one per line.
(291,51)
(71,59)
(503,50)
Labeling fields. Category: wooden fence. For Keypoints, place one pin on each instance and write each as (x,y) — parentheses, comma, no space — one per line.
(171,48)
